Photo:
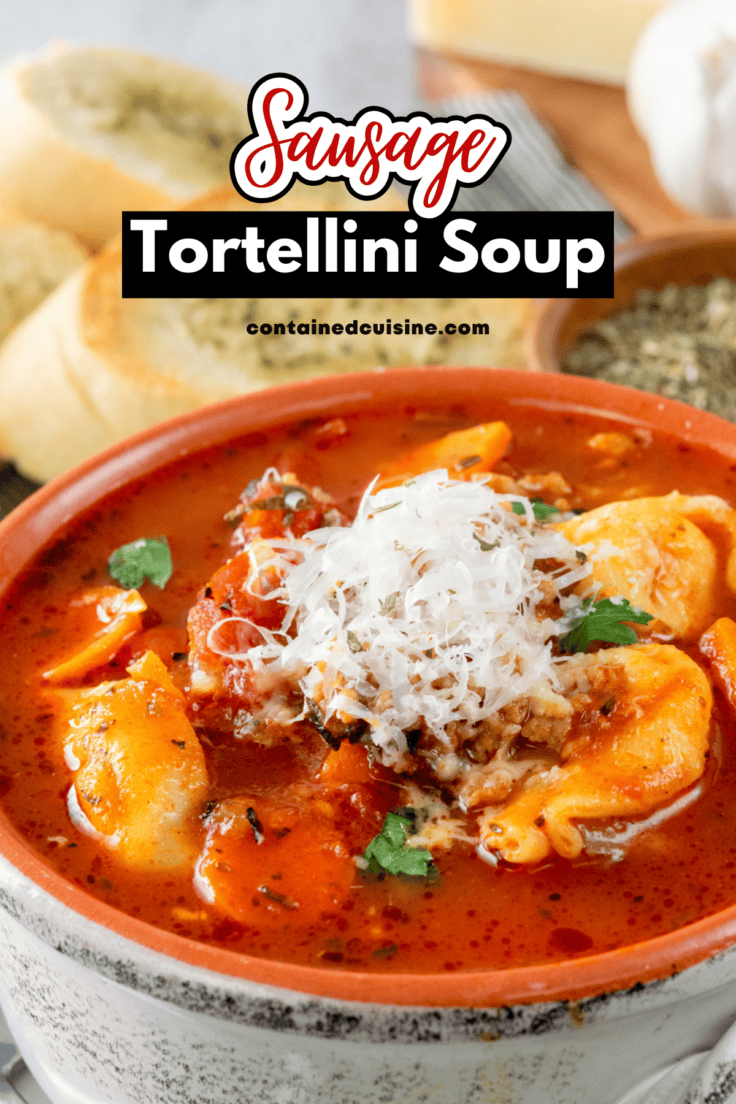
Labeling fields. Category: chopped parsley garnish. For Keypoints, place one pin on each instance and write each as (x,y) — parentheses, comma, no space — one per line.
(603,621)
(542,510)
(388,851)
(148,558)
(385,952)
(387,604)
(279,898)
(274,502)
(486,546)
(314,716)
(232,517)
(468,461)
(255,824)
(291,498)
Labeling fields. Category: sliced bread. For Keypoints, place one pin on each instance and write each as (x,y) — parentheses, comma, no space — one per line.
(33,261)
(89,367)
(87,132)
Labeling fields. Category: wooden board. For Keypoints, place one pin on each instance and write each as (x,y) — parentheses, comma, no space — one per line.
(591,122)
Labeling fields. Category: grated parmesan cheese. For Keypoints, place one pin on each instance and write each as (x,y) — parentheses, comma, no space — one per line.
(428,611)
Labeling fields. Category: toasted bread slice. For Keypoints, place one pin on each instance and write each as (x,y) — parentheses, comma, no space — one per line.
(103,367)
(87,132)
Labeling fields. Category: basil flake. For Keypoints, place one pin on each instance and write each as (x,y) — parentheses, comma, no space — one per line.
(386,605)
(486,546)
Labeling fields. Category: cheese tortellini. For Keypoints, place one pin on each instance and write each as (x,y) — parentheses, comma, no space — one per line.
(669,556)
(615,732)
(625,760)
(138,768)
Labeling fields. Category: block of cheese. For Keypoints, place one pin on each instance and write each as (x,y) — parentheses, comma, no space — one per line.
(589,39)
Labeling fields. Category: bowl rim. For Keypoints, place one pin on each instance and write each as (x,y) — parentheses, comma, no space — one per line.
(548,315)
(34,522)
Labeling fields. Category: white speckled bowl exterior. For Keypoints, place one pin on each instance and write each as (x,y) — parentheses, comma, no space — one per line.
(103,1015)
(102,1020)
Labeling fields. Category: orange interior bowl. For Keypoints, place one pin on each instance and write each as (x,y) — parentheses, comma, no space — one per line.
(690,257)
(36,521)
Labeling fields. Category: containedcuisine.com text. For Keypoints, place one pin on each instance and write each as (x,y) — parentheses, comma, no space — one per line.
(355,327)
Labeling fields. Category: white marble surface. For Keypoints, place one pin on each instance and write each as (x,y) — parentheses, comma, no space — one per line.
(349,53)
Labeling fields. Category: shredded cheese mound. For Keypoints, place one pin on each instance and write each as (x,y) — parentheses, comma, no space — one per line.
(429,609)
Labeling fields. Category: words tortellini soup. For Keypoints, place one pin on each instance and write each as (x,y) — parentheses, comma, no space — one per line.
(411,690)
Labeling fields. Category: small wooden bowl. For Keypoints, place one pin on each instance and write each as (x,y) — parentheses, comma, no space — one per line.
(688,257)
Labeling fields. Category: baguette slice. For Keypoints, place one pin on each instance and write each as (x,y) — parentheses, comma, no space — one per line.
(88,132)
(88,368)
(33,261)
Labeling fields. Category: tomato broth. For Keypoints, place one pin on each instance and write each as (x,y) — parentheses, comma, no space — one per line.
(468,915)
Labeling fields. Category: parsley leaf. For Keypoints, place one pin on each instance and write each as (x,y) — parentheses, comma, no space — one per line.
(486,546)
(387,604)
(468,462)
(388,851)
(541,509)
(148,558)
(603,621)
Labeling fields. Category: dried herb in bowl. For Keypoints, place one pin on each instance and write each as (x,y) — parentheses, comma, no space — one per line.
(679,342)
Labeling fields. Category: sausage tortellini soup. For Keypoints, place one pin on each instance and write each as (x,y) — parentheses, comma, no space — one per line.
(431,690)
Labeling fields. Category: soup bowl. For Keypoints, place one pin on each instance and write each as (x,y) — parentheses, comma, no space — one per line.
(111,1010)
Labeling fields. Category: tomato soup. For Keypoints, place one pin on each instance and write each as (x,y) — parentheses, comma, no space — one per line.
(281,805)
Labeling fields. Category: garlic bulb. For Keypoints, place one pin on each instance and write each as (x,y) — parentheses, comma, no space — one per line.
(682,95)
